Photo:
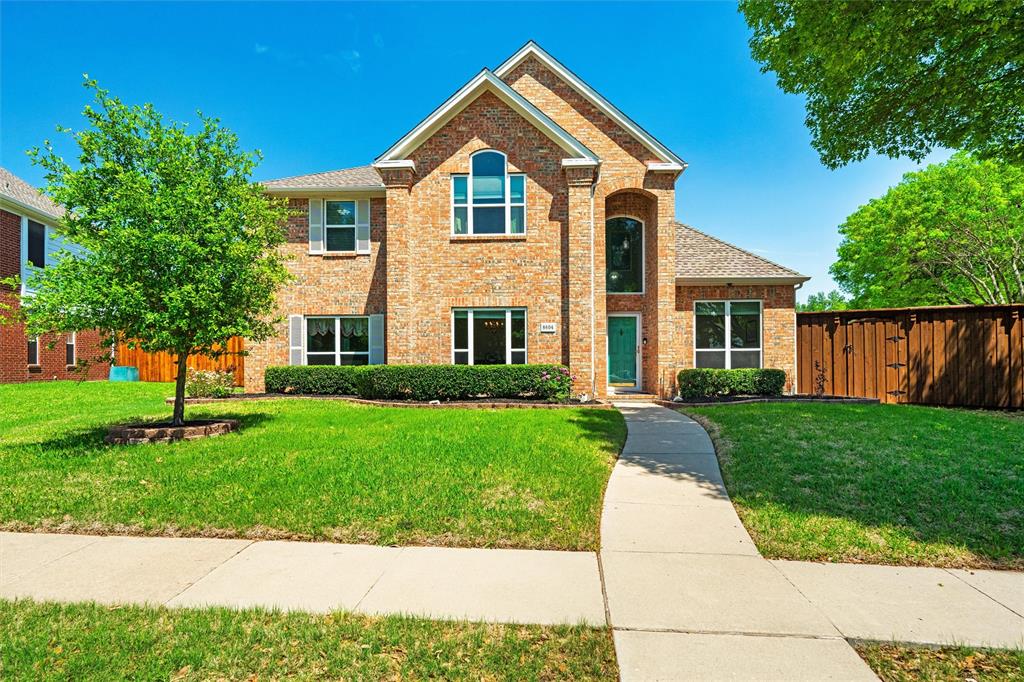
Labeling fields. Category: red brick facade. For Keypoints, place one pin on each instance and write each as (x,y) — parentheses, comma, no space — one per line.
(14,366)
(417,271)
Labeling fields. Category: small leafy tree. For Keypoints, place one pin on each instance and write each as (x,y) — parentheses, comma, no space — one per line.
(180,247)
(833,300)
(899,78)
(951,233)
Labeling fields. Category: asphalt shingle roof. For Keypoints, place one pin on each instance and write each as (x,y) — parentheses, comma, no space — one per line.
(361,176)
(699,255)
(14,188)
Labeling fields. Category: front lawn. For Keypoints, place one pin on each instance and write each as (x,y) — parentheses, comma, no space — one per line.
(898,663)
(307,469)
(889,484)
(44,641)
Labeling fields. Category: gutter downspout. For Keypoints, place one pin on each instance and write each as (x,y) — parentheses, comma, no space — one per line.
(593,297)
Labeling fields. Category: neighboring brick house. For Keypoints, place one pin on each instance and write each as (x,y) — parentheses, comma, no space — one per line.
(525,220)
(28,239)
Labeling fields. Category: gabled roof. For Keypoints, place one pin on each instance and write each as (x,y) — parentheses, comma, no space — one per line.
(703,259)
(532,49)
(361,178)
(20,195)
(485,81)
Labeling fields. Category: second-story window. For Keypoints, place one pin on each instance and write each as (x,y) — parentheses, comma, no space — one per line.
(488,200)
(36,244)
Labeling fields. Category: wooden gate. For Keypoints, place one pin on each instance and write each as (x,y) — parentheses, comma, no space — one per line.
(163,366)
(957,355)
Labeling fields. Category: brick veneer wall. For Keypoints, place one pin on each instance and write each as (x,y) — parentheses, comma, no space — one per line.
(14,366)
(778,321)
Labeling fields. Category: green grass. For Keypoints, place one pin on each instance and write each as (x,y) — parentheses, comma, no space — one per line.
(306,469)
(897,663)
(890,484)
(45,641)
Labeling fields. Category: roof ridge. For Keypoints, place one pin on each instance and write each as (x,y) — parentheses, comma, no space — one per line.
(733,246)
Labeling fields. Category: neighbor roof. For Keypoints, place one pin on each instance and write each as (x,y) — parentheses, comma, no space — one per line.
(23,195)
(703,259)
(483,82)
(532,49)
(360,178)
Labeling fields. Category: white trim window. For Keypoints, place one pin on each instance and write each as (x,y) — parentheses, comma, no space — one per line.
(489,199)
(33,350)
(70,350)
(341,340)
(727,334)
(489,336)
(346,226)
(624,255)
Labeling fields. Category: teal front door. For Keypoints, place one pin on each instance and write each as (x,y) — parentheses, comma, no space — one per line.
(622,350)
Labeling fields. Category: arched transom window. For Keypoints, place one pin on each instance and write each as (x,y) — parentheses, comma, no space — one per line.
(489,199)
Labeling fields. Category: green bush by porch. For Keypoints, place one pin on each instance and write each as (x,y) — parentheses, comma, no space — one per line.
(710,383)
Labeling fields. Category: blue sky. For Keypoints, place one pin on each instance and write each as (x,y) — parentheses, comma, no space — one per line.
(329,85)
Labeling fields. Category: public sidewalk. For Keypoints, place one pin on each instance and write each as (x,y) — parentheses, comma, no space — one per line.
(689,596)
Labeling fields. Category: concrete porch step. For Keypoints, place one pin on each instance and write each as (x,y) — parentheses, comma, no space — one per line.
(632,397)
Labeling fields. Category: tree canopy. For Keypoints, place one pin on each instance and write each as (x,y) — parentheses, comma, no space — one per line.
(899,78)
(833,300)
(180,246)
(952,233)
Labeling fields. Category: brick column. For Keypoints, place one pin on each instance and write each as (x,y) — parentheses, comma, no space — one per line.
(580,259)
(398,319)
(670,348)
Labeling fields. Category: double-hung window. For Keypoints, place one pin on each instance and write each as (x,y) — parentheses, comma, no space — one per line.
(727,334)
(69,350)
(489,336)
(488,200)
(338,340)
(339,226)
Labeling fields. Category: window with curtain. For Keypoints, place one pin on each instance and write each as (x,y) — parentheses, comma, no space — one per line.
(488,200)
(624,255)
(489,336)
(727,334)
(338,340)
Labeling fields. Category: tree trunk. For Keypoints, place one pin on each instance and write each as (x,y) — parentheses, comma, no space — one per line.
(178,419)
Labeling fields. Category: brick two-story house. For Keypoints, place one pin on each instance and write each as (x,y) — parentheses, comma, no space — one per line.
(526,219)
(29,239)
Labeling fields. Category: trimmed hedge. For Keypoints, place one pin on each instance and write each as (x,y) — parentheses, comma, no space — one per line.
(424,382)
(710,383)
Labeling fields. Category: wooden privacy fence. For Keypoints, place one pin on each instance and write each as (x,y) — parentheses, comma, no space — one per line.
(971,356)
(163,366)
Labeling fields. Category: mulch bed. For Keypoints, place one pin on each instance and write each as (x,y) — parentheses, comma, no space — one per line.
(482,404)
(742,399)
(134,434)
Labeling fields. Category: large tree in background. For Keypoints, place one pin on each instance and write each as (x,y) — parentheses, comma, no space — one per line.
(180,247)
(833,300)
(899,78)
(951,233)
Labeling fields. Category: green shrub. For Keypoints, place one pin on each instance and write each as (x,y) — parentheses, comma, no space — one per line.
(312,379)
(208,383)
(710,383)
(425,382)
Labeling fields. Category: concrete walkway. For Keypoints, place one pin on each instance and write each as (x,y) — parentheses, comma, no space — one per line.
(495,585)
(689,596)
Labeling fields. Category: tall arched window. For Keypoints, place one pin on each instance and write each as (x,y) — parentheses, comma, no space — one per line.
(488,200)
(624,255)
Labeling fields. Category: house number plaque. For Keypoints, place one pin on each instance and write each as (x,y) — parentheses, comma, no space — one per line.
(547,327)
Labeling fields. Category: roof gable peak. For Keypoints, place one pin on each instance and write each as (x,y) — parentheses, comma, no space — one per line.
(668,159)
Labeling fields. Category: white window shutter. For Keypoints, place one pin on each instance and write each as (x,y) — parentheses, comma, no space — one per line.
(363,226)
(316,226)
(295,340)
(376,339)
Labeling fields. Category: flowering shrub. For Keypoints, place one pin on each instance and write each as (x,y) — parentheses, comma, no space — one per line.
(556,384)
(209,383)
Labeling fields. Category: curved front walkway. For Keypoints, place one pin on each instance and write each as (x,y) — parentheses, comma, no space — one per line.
(689,597)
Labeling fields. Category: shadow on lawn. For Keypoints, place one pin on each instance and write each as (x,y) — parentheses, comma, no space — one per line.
(930,475)
(87,441)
